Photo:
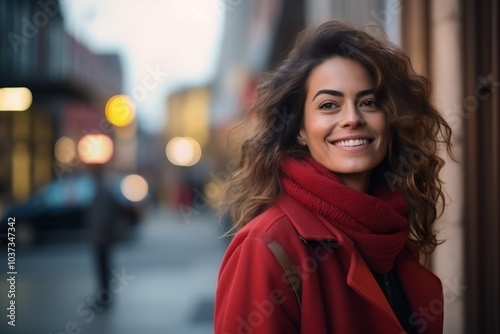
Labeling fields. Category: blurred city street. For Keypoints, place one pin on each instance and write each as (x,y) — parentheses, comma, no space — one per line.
(165,280)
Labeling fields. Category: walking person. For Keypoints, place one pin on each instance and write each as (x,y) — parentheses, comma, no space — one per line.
(104,218)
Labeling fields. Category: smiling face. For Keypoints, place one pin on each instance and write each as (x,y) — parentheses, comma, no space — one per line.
(343,127)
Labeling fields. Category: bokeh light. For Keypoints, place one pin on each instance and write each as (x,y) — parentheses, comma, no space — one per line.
(120,110)
(15,99)
(95,149)
(183,151)
(65,150)
(134,187)
(213,192)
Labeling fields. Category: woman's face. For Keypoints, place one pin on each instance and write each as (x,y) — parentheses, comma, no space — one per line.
(344,127)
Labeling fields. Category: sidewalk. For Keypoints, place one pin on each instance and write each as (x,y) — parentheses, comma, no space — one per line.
(165,281)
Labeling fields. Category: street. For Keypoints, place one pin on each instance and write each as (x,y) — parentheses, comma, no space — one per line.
(164,278)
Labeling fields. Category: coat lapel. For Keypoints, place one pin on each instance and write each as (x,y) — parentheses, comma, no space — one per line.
(315,227)
(359,276)
(428,310)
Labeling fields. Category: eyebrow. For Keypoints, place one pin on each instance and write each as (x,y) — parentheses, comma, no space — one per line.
(359,94)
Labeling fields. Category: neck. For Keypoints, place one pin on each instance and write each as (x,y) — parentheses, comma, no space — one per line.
(357,181)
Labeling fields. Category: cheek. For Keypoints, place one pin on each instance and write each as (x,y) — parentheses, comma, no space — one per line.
(384,132)
(317,126)
(384,135)
(379,124)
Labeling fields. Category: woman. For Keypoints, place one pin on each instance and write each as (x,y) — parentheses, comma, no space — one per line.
(336,195)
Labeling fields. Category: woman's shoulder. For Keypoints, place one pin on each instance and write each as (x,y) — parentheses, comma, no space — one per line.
(286,221)
(260,241)
(273,222)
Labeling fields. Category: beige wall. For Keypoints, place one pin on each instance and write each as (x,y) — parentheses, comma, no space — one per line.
(446,75)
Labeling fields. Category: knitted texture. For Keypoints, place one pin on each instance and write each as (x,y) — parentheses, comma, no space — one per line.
(377,223)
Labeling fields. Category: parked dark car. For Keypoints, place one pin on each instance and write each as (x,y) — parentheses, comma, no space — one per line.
(62,205)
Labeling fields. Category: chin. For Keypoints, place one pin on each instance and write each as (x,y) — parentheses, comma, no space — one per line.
(351,168)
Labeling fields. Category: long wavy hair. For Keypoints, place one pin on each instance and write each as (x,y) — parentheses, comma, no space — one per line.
(417,129)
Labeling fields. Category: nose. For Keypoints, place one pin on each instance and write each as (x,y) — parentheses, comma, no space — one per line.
(351,116)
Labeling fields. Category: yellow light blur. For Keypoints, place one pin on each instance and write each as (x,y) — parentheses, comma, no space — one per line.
(65,150)
(95,149)
(120,110)
(21,161)
(134,187)
(213,192)
(188,113)
(183,151)
(195,115)
(15,99)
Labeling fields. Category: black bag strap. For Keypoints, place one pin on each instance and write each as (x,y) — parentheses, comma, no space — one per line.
(288,267)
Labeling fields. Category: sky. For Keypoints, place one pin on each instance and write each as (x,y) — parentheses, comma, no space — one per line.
(163,44)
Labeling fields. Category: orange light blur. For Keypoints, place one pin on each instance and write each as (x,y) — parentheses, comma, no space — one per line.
(134,187)
(65,150)
(95,149)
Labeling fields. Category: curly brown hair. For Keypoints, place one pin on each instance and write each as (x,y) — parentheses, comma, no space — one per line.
(417,129)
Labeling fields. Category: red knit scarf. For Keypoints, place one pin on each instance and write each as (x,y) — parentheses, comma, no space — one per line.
(376,223)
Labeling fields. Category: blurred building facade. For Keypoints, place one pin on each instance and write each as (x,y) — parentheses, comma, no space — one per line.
(69,85)
(455,44)
(187,140)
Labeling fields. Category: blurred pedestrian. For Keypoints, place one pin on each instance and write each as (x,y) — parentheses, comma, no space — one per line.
(336,196)
(103,220)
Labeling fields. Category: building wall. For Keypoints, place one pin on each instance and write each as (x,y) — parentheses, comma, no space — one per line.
(246,48)
(70,86)
(481,114)
(364,13)
(446,75)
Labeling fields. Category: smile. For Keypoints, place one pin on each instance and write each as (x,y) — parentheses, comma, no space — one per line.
(352,142)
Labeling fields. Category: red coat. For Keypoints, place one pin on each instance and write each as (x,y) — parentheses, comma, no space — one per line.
(338,291)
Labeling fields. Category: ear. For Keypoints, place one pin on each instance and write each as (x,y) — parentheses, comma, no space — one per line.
(301,138)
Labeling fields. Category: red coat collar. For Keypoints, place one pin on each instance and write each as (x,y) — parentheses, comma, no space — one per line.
(310,227)
(313,229)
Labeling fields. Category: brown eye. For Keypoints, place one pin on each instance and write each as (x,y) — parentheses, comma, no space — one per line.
(369,104)
(327,105)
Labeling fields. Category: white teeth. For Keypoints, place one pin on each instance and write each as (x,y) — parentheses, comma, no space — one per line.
(352,142)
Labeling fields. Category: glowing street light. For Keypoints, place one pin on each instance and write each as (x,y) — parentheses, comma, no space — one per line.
(95,149)
(65,150)
(134,187)
(183,151)
(15,99)
(120,110)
